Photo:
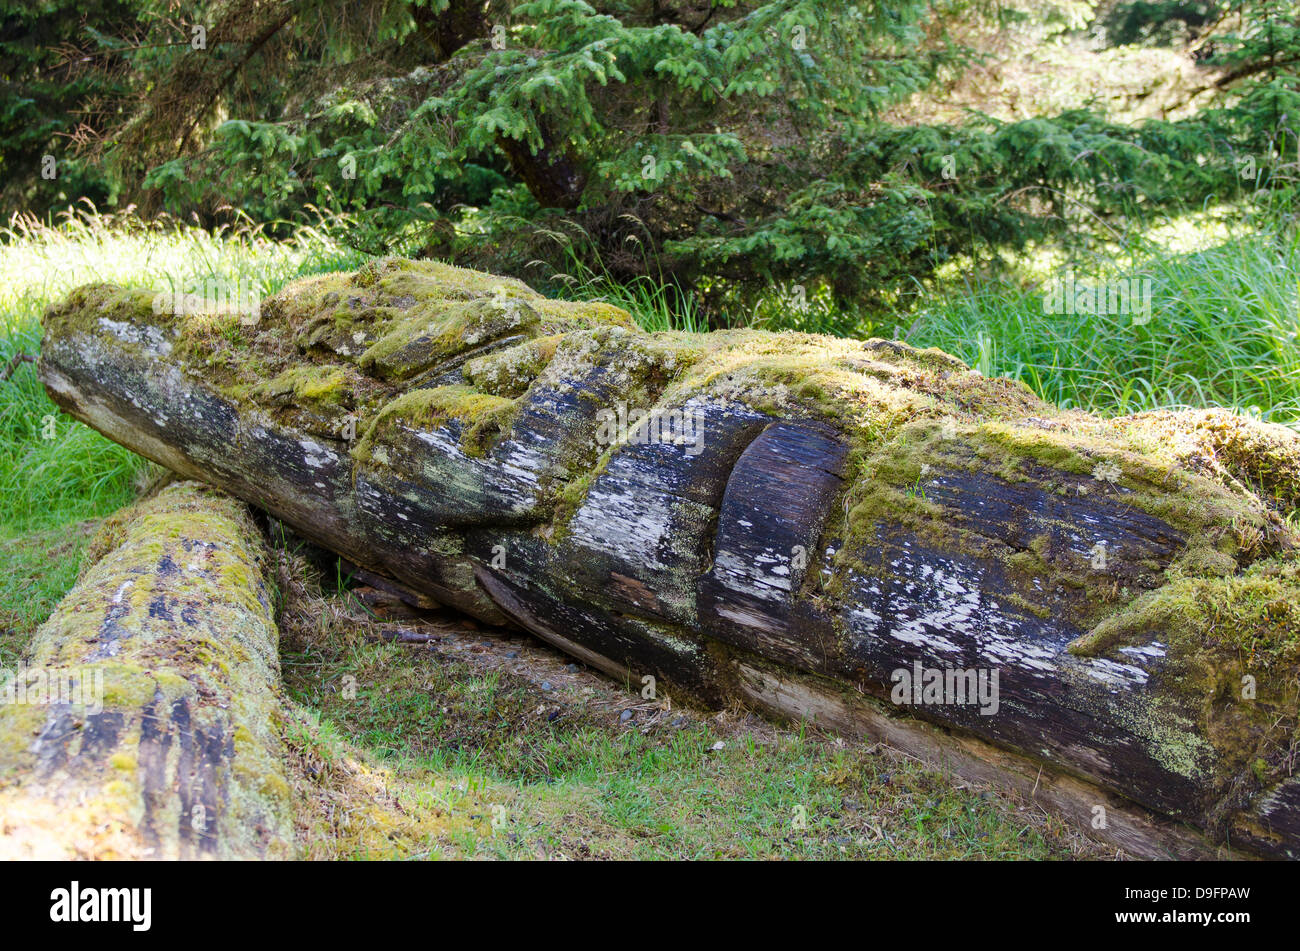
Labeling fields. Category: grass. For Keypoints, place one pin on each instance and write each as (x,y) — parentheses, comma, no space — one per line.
(36,571)
(52,469)
(563,775)
(56,473)
(1223,331)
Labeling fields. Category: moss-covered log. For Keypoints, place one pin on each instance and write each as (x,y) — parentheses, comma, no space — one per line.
(702,508)
(145,722)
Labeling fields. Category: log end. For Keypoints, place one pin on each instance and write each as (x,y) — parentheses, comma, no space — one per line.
(145,723)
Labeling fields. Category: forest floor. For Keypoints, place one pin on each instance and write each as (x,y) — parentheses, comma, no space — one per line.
(423,734)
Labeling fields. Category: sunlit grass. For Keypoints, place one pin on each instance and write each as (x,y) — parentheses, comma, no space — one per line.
(1222,329)
(1222,332)
(55,473)
(52,469)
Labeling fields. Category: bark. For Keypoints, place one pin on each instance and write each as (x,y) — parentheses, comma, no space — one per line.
(838,514)
(552,174)
(143,724)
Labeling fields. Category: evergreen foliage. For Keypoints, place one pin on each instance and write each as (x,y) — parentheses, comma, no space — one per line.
(727,147)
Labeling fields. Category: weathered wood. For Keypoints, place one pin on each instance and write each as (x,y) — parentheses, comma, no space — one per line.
(143,724)
(1137,831)
(695,508)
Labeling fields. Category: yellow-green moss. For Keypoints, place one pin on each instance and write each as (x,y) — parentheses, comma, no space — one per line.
(124,761)
(482,416)
(174,609)
(1226,638)
(1252,614)
(437,331)
(1235,448)
(308,383)
(84,307)
(510,371)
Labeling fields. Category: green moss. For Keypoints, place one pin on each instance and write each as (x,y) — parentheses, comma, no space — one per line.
(1260,769)
(123,761)
(1074,455)
(1065,454)
(574,492)
(1233,658)
(896,351)
(582,314)
(482,416)
(436,332)
(433,279)
(1201,557)
(308,383)
(298,303)
(1236,449)
(1254,614)
(128,685)
(509,372)
(83,309)
(179,587)
(19,724)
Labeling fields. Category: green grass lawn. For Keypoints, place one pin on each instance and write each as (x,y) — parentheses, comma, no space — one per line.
(1223,331)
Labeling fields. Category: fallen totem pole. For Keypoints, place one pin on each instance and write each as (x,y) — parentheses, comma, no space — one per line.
(145,723)
(1102,613)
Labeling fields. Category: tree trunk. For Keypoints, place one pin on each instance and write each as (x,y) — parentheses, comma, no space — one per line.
(143,725)
(853,531)
(553,176)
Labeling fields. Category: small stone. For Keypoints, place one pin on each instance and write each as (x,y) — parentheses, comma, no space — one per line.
(572,668)
(547,685)
(625,716)
(512,654)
